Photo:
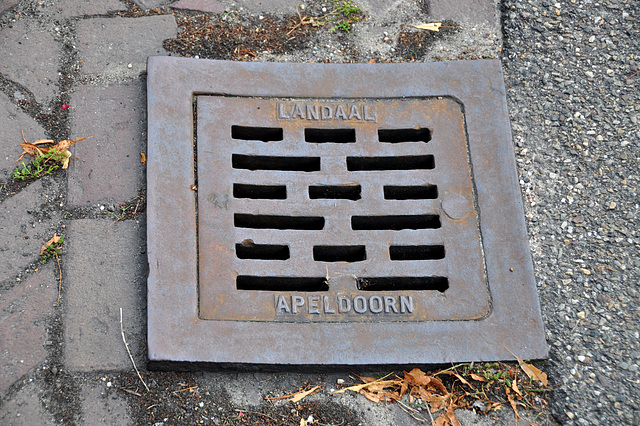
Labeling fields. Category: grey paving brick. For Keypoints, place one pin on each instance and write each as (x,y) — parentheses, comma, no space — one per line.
(23,313)
(105,270)
(70,8)
(104,50)
(23,234)
(6,5)
(276,7)
(109,168)
(151,4)
(101,406)
(12,119)
(25,408)
(30,58)
(208,6)
(474,12)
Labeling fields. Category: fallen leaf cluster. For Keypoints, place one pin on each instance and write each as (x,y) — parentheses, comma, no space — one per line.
(52,248)
(58,152)
(484,387)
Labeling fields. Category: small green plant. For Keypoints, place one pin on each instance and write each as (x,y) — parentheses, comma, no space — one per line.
(51,249)
(344,14)
(42,164)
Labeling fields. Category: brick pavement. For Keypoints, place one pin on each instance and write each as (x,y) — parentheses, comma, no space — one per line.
(105,52)
(115,116)
(37,74)
(12,120)
(24,311)
(104,272)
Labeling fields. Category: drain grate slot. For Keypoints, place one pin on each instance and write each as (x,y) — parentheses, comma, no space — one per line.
(330,135)
(261,192)
(248,250)
(259,221)
(339,192)
(395,222)
(264,134)
(404,135)
(427,252)
(267,162)
(339,253)
(440,284)
(250,282)
(416,192)
(406,162)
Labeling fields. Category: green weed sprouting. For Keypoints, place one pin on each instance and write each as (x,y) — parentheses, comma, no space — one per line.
(52,250)
(344,14)
(42,164)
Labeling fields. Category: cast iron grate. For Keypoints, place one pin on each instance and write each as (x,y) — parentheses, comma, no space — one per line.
(342,197)
(349,191)
(335,214)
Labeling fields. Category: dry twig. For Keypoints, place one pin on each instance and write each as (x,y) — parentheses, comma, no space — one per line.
(632,75)
(303,21)
(60,281)
(254,412)
(129,352)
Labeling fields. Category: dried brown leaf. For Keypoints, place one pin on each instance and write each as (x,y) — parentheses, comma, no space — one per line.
(67,143)
(534,373)
(299,395)
(478,378)
(143,158)
(42,141)
(370,396)
(514,386)
(462,379)
(432,26)
(31,149)
(437,383)
(66,155)
(54,240)
(451,416)
(531,371)
(511,401)
(357,388)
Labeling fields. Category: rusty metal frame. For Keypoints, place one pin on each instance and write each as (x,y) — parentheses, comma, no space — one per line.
(176,331)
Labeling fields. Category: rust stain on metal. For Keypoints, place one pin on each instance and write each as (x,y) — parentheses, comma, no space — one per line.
(363,210)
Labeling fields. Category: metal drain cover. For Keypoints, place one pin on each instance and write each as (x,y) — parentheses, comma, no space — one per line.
(335,214)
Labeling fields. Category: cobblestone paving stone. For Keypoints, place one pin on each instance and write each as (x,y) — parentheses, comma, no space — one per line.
(101,278)
(24,311)
(102,408)
(12,121)
(199,5)
(25,228)
(571,71)
(5,5)
(62,9)
(103,50)
(110,169)
(26,408)
(22,43)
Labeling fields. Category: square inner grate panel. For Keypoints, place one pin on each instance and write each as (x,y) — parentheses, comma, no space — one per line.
(337,210)
(329,214)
